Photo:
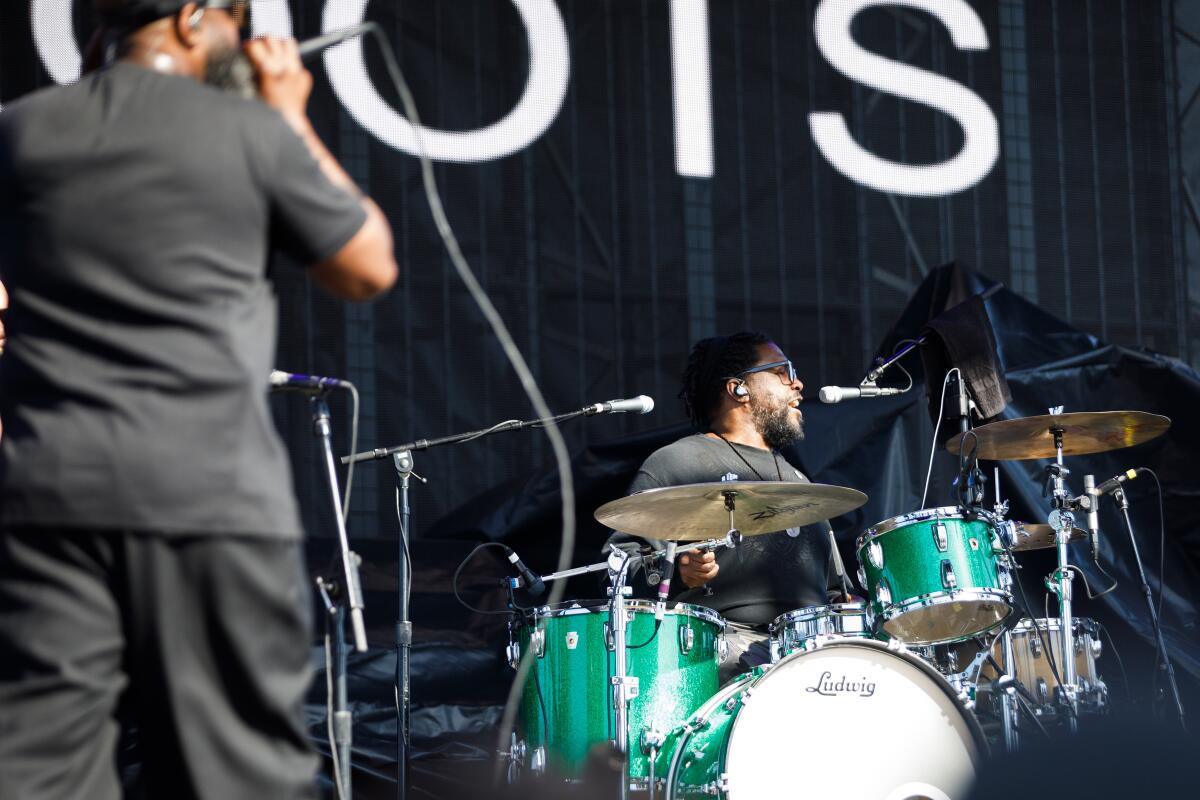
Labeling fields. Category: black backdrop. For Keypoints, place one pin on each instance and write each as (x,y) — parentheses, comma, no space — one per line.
(607,263)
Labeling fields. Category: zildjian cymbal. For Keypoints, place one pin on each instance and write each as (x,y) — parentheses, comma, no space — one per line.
(1039,536)
(1083,432)
(699,511)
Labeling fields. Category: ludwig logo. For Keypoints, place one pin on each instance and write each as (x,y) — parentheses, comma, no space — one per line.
(828,686)
(572,640)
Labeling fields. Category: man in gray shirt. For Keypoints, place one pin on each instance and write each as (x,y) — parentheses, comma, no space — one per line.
(742,392)
(150,558)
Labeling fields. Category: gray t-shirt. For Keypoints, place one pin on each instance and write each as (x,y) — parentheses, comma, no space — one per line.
(137,211)
(766,575)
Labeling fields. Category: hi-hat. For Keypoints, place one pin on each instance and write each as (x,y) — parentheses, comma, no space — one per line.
(698,511)
(1083,432)
(1040,536)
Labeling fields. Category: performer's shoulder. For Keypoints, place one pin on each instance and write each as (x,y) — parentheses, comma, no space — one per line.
(683,448)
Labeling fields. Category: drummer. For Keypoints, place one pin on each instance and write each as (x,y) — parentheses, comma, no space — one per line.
(743,395)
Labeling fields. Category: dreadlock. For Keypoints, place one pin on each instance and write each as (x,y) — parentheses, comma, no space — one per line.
(710,363)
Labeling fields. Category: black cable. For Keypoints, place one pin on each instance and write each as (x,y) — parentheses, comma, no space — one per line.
(458,571)
(654,633)
(529,384)
(1020,700)
(1120,662)
(537,684)
(1162,538)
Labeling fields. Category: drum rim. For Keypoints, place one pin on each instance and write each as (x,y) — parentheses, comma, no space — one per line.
(940,598)
(921,515)
(572,608)
(982,749)
(810,612)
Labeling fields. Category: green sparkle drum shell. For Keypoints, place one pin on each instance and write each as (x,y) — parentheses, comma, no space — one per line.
(933,576)
(677,670)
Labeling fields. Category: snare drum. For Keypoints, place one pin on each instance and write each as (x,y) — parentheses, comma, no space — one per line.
(1032,668)
(800,629)
(567,704)
(773,732)
(933,576)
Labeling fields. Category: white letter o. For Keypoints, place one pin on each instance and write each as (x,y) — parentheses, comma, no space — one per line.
(549,72)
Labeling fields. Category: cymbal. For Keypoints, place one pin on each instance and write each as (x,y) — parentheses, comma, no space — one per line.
(1039,536)
(695,512)
(1083,432)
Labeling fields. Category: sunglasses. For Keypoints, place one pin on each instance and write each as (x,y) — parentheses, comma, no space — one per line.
(788,375)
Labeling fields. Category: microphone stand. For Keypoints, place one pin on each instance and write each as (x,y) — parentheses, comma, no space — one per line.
(425,444)
(339,594)
(1160,642)
(402,459)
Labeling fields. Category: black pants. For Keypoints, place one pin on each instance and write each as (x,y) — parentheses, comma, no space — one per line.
(201,641)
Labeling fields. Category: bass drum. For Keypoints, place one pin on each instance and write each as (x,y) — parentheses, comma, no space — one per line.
(782,732)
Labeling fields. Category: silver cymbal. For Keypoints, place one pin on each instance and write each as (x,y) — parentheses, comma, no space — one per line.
(1084,432)
(698,511)
(1040,536)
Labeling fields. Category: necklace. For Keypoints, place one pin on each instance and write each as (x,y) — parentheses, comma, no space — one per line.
(736,452)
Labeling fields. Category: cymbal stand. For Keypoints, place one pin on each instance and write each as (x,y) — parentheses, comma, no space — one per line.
(1059,582)
(624,686)
(1009,710)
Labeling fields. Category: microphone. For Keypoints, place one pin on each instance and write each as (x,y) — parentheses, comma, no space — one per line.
(664,588)
(533,584)
(314,46)
(641,404)
(1093,519)
(309,384)
(836,394)
(1113,482)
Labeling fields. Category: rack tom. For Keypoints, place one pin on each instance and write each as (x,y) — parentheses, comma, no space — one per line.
(933,576)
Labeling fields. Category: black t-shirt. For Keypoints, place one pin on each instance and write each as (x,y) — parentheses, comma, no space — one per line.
(138,211)
(766,575)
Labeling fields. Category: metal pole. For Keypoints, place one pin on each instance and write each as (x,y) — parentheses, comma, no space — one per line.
(1063,521)
(1155,623)
(350,596)
(343,722)
(624,687)
(403,462)
(1008,701)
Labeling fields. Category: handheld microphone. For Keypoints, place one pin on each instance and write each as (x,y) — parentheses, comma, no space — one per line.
(1114,482)
(533,584)
(664,588)
(836,394)
(1093,519)
(314,46)
(310,384)
(641,404)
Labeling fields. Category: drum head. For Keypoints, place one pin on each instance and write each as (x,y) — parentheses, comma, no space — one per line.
(855,721)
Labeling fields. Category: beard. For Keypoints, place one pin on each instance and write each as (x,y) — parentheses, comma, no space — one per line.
(230,71)
(777,426)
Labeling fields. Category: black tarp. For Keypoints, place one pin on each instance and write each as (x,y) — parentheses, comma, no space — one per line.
(880,446)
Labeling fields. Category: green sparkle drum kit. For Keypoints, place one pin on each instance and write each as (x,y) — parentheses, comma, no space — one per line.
(935,661)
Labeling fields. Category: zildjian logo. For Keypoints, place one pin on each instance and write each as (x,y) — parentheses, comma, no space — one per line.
(774,511)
